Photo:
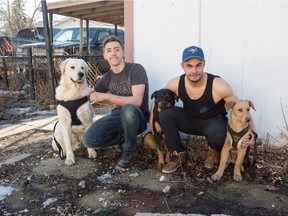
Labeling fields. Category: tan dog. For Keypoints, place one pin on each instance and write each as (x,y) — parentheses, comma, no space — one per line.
(237,127)
(164,99)
(75,112)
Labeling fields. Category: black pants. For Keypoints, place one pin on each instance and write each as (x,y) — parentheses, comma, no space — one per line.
(176,119)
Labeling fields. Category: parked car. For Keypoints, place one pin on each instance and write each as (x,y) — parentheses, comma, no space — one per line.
(67,41)
(8,45)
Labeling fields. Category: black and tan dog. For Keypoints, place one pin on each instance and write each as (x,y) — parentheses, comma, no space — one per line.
(237,127)
(164,99)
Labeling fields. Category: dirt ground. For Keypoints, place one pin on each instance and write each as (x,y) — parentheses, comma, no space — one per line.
(193,190)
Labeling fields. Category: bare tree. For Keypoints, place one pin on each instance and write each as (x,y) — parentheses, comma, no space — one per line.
(18,18)
(4,16)
(13,17)
(37,7)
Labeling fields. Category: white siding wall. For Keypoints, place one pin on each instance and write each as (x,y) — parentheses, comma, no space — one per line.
(161,32)
(245,42)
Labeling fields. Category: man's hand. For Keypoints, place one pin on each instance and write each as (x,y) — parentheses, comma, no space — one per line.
(97,97)
(248,139)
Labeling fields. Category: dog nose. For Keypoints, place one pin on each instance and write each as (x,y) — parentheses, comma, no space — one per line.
(80,74)
(248,119)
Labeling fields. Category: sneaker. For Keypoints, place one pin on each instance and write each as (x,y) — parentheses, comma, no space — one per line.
(212,159)
(126,160)
(176,160)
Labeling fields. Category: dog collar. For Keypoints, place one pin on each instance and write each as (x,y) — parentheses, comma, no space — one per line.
(236,136)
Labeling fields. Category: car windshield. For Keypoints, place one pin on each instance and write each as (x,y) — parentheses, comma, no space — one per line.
(73,34)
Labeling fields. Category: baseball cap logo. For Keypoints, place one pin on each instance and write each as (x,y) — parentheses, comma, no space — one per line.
(193,50)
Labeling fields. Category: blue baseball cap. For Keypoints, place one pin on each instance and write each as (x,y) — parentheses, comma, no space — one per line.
(193,52)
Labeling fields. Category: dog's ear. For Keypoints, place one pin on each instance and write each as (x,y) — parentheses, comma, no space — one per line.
(233,104)
(154,95)
(62,66)
(176,98)
(251,104)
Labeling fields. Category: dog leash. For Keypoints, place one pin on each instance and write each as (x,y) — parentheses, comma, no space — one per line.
(60,150)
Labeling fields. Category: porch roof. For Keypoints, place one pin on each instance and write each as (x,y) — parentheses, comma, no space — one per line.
(108,11)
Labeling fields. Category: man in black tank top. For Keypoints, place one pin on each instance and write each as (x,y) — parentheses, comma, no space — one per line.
(206,98)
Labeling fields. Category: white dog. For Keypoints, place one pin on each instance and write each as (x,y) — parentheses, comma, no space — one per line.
(74,110)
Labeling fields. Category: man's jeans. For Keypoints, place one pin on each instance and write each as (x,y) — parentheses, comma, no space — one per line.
(116,128)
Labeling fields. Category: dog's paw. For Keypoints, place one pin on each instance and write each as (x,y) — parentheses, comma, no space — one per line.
(216,177)
(237,177)
(92,153)
(70,161)
(160,165)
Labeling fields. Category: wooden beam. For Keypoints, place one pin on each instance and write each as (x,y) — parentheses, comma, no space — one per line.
(109,11)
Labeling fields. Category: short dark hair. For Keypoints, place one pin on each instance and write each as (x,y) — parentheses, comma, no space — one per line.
(112,38)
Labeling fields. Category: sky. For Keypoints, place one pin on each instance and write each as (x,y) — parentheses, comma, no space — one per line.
(32,4)
(30,8)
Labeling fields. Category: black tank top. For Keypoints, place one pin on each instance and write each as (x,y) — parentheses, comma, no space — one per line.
(204,107)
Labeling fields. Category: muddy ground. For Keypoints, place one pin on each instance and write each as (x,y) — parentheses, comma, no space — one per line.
(44,185)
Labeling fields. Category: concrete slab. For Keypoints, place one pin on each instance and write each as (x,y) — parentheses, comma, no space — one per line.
(11,129)
(39,122)
(17,158)
(55,166)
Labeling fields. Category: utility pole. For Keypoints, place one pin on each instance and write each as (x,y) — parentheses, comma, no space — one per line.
(48,48)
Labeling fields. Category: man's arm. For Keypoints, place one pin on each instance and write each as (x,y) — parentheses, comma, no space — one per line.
(173,85)
(151,116)
(222,90)
(136,98)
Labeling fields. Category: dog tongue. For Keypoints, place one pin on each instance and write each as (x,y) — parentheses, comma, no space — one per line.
(78,81)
